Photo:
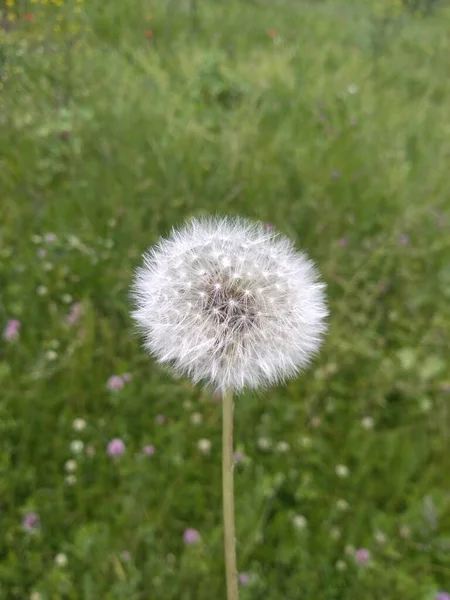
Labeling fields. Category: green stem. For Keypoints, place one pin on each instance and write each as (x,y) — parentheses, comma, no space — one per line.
(228,497)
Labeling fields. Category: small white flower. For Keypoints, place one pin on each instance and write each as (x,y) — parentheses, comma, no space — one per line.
(61,560)
(35,596)
(66,298)
(51,355)
(342,505)
(405,531)
(341,565)
(204,446)
(78,425)
(41,290)
(349,549)
(367,423)
(305,441)
(299,521)
(335,533)
(47,266)
(196,418)
(264,444)
(76,446)
(342,471)
(187,404)
(231,303)
(283,447)
(71,465)
(71,479)
(353,88)
(380,537)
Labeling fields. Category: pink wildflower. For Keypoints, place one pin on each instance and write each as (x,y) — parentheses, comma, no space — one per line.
(149,450)
(11,331)
(115,382)
(31,522)
(191,536)
(75,313)
(238,457)
(116,447)
(127,377)
(362,556)
(244,578)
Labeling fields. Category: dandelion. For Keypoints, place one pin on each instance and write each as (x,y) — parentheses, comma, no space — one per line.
(31,522)
(76,446)
(149,450)
(115,447)
(204,446)
(362,556)
(191,537)
(230,303)
(61,560)
(79,425)
(234,305)
(115,383)
(11,331)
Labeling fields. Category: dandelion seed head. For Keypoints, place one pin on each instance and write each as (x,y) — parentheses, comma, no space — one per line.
(230,303)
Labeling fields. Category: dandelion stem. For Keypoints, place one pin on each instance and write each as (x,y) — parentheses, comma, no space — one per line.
(228,497)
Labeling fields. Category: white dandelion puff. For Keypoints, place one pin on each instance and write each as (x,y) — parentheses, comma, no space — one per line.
(230,303)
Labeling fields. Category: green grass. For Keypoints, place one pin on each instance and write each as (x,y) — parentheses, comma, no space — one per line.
(328,119)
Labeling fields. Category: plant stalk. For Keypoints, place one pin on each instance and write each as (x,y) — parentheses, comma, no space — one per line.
(228,497)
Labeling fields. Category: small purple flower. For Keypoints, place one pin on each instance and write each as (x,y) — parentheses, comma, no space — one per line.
(115,447)
(238,457)
(362,556)
(442,596)
(343,242)
(403,240)
(160,419)
(31,522)
(50,237)
(11,331)
(115,382)
(42,253)
(191,536)
(125,555)
(149,450)
(244,578)
(75,313)
(127,377)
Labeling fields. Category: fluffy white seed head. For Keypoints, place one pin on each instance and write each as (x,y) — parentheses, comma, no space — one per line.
(230,303)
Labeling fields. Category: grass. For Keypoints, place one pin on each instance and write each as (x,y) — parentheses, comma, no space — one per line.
(118,121)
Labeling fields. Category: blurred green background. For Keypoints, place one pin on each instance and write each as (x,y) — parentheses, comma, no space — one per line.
(118,120)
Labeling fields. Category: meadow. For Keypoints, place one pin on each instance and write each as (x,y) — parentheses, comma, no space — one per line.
(328,119)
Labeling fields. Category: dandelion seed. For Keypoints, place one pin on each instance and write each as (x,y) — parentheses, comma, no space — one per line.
(115,447)
(12,329)
(31,522)
(191,537)
(250,332)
